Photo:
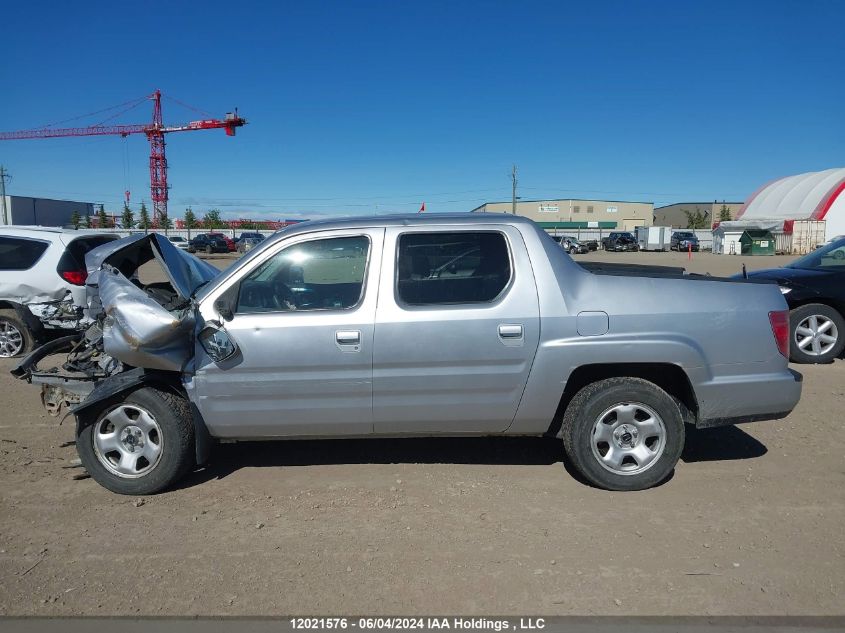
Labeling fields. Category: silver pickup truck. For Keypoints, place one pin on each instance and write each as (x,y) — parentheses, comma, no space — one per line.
(410,326)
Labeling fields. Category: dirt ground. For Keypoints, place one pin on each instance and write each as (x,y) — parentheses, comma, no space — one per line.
(751,523)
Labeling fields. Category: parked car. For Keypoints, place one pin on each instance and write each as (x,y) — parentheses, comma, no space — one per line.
(814,288)
(230,243)
(42,283)
(593,245)
(572,246)
(683,241)
(615,235)
(341,328)
(179,242)
(208,243)
(255,235)
(248,243)
(623,242)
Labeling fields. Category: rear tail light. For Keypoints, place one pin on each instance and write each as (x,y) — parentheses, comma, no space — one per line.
(75,277)
(780,328)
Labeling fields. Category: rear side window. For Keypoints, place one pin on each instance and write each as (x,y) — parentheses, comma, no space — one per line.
(452,268)
(74,255)
(19,253)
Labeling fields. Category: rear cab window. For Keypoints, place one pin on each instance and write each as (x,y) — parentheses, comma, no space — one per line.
(19,253)
(449,268)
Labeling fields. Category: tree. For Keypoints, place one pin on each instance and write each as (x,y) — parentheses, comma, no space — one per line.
(75,219)
(724,214)
(190,220)
(166,223)
(102,218)
(143,218)
(695,219)
(212,220)
(127,218)
(87,223)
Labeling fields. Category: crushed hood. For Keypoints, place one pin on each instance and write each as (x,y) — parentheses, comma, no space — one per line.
(137,329)
(185,272)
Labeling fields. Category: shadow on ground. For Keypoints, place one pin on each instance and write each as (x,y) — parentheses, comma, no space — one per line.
(727,443)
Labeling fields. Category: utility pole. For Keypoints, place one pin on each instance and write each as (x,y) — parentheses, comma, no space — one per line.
(513,189)
(3,175)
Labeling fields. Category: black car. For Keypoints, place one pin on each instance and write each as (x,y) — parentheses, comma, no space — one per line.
(814,288)
(683,241)
(621,243)
(206,243)
(615,235)
(255,235)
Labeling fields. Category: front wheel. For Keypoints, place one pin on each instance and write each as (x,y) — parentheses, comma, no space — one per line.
(817,334)
(623,433)
(139,445)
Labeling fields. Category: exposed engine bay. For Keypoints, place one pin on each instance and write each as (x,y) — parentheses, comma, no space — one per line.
(132,324)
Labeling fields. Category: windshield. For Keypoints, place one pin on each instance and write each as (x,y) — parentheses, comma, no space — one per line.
(828,257)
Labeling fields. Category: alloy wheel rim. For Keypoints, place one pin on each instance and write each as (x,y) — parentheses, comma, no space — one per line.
(816,335)
(11,340)
(128,441)
(628,438)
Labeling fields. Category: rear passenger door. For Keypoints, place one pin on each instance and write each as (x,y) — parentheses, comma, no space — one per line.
(457,328)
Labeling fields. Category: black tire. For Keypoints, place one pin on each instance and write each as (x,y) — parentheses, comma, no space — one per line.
(15,337)
(173,416)
(823,313)
(589,408)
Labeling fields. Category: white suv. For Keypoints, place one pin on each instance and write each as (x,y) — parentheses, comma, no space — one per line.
(42,282)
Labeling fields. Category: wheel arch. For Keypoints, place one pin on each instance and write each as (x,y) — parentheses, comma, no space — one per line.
(669,377)
(120,385)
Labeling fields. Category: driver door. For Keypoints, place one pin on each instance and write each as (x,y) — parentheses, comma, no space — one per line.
(303,322)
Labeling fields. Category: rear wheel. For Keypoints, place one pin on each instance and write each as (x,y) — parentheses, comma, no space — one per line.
(140,444)
(15,337)
(817,334)
(623,433)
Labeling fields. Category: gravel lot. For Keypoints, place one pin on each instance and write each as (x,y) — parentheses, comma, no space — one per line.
(750,524)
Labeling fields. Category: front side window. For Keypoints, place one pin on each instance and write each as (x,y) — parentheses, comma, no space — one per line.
(452,268)
(19,253)
(323,274)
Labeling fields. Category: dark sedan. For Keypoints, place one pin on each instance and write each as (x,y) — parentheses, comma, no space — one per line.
(208,243)
(621,243)
(814,288)
(684,241)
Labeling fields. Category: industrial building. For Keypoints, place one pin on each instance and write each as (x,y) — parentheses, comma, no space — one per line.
(675,215)
(555,215)
(26,211)
(813,196)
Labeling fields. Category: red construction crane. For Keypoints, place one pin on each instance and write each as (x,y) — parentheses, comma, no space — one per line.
(155,132)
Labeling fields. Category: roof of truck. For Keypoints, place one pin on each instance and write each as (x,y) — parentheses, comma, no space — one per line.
(415,219)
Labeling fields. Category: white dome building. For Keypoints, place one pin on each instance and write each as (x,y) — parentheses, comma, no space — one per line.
(818,195)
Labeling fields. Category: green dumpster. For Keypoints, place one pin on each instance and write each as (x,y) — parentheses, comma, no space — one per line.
(757,242)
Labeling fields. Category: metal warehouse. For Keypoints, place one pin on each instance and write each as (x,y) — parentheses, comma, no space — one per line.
(553,215)
(26,211)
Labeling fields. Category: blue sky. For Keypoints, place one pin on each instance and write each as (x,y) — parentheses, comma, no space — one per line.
(361,107)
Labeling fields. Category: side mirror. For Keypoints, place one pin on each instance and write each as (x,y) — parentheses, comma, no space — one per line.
(216,342)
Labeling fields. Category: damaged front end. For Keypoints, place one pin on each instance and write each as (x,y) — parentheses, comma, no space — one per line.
(135,325)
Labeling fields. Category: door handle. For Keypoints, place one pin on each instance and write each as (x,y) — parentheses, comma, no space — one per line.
(348,337)
(510,330)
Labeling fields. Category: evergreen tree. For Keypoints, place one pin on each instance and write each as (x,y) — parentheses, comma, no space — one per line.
(695,219)
(144,218)
(87,223)
(725,214)
(75,219)
(127,218)
(102,218)
(190,221)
